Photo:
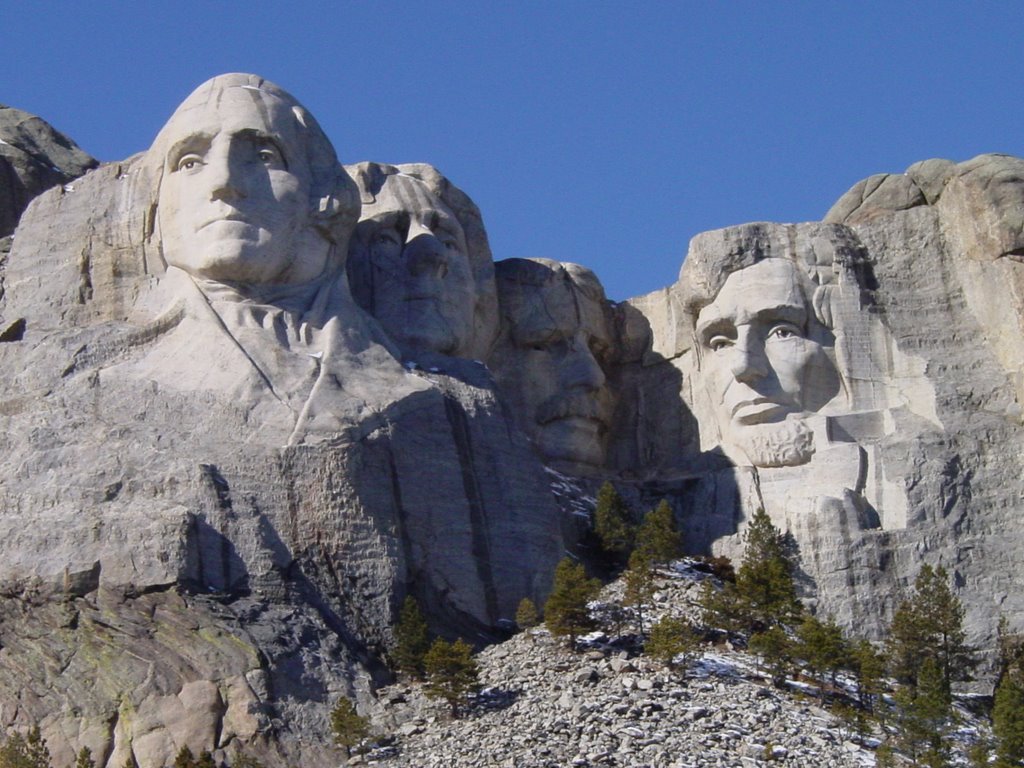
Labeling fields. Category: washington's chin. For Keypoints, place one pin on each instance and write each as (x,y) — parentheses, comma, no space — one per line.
(573,439)
(234,261)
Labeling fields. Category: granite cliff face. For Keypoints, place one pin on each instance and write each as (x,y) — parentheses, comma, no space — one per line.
(252,398)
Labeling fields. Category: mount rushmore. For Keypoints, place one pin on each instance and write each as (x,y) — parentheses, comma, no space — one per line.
(253,397)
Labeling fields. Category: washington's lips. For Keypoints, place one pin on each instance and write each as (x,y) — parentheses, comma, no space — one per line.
(230,216)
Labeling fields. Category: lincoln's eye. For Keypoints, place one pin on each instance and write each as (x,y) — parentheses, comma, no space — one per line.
(785,331)
(719,342)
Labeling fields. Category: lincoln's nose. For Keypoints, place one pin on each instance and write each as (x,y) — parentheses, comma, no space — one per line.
(748,362)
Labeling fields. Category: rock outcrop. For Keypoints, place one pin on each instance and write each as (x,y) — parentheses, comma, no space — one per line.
(231,445)
(33,158)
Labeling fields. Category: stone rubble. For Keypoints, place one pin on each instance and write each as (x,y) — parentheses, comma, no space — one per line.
(542,705)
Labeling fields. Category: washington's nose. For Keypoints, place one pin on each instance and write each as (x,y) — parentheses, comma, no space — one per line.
(425,254)
(223,178)
(748,361)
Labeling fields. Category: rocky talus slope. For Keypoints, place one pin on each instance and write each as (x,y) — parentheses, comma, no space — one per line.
(546,706)
(543,705)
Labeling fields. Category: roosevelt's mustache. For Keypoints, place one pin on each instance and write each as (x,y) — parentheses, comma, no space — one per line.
(586,405)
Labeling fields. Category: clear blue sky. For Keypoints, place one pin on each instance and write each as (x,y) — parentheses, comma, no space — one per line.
(603,133)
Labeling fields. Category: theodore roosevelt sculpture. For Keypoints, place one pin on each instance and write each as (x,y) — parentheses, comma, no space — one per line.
(253,214)
(419,261)
(555,333)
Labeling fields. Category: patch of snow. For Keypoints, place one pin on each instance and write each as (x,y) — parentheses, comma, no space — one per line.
(713,664)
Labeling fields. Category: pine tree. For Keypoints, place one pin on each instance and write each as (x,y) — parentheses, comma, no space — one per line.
(639,584)
(25,751)
(929,625)
(869,666)
(185,758)
(671,638)
(611,522)
(84,759)
(451,671)
(526,614)
(206,760)
(776,649)
(764,581)
(657,535)
(885,755)
(566,612)
(350,729)
(1008,719)
(922,716)
(412,638)
(980,753)
(38,754)
(823,648)
(720,607)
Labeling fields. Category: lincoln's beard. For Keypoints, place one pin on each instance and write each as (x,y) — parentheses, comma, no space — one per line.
(785,444)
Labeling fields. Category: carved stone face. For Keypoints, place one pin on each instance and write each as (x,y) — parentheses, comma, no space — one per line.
(234,203)
(760,362)
(422,288)
(994,205)
(549,366)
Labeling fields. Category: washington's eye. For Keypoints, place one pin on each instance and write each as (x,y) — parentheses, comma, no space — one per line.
(785,331)
(188,162)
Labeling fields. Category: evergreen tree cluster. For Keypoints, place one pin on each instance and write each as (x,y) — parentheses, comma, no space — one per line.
(566,613)
(350,729)
(448,670)
(763,594)
(926,652)
(25,751)
(186,759)
(656,537)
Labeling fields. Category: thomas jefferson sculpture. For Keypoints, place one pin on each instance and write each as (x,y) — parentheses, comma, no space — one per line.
(419,261)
